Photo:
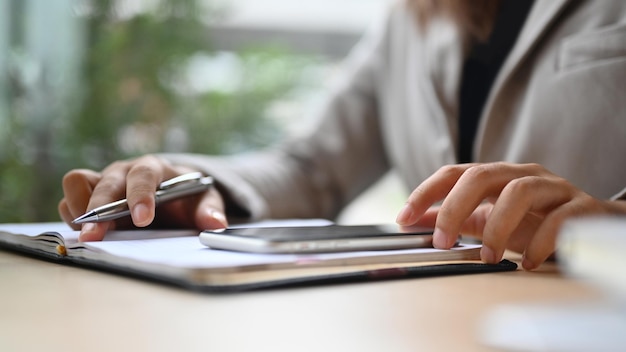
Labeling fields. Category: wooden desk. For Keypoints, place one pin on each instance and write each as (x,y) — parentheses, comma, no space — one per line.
(52,307)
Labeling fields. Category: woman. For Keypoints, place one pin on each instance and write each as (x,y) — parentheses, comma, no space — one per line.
(531,93)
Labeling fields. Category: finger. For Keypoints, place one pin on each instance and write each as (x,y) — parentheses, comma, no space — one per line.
(429,218)
(473,225)
(518,198)
(543,244)
(432,190)
(524,232)
(66,215)
(78,186)
(475,185)
(209,213)
(95,231)
(143,179)
(203,211)
(111,186)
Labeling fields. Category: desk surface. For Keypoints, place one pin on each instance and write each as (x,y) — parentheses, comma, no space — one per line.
(76,309)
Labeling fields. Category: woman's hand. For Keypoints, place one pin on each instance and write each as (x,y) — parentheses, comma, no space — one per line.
(136,180)
(516,206)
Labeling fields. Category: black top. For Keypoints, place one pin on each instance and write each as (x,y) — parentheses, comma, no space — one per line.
(481,67)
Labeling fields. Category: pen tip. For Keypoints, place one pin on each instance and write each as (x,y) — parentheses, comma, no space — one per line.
(83,218)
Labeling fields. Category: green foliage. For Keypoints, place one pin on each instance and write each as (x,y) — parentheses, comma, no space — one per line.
(136,95)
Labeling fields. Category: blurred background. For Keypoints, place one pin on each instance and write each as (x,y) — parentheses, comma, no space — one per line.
(84,83)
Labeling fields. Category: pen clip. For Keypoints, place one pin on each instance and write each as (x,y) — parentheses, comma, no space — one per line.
(173,182)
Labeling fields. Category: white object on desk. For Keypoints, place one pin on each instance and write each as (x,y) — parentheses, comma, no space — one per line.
(594,250)
(555,327)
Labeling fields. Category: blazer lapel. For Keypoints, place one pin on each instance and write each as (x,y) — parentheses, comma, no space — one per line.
(543,13)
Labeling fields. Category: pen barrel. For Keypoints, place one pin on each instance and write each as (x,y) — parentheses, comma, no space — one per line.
(185,185)
(183,190)
(112,211)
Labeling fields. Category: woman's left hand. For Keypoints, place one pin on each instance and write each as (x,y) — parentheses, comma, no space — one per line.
(509,206)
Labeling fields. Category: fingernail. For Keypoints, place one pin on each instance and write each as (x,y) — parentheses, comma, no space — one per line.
(85,230)
(219,216)
(488,255)
(405,215)
(141,214)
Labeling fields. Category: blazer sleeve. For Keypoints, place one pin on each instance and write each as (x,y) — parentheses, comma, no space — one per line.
(317,174)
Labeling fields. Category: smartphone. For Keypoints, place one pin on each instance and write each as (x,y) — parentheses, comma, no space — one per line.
(317,239)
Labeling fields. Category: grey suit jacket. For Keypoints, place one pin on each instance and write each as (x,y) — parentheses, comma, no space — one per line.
(559,100)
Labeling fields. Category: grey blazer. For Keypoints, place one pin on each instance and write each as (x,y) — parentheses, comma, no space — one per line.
(559,100)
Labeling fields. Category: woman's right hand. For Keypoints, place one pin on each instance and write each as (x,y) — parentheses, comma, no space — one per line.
(137,180)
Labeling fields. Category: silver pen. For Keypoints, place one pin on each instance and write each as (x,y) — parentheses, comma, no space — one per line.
(177,187)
